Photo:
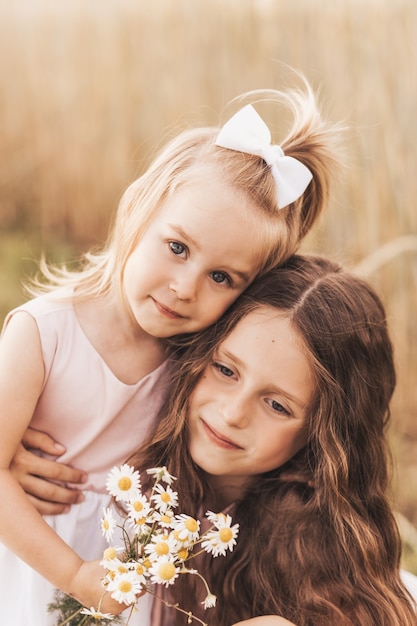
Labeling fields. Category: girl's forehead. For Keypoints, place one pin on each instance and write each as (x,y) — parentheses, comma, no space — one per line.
(263,317)
(249,332)
(269,328)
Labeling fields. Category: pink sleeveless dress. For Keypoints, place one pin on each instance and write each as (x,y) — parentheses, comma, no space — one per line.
(101,421)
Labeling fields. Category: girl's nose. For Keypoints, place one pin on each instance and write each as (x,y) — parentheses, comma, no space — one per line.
(235,410)
(184,285)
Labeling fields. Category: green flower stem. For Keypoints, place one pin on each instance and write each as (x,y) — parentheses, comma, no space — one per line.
(184,570)
(130,615)
(68,619)
(189,614)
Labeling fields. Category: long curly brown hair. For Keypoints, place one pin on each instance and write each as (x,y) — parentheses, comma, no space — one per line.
(318,542)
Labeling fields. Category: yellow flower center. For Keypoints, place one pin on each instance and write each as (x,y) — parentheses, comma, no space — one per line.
(182,554)
(138,506)
(161,548)
(191,525)
(165,519)
(109,554)
(166,571)
(165,497)
(124,483)
(139,569)
(147,563)
(106,524)
(122,569)
(125,586)
(225,534)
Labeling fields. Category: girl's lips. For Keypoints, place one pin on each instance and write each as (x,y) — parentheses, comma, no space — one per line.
(166,311)
(218,439)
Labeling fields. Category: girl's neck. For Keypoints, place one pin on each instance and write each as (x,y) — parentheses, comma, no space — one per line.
(129,353)
(225,490)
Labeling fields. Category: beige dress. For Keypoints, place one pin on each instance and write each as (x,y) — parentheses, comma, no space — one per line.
(100,420)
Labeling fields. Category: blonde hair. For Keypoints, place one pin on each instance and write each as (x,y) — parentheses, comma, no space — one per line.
(310,139)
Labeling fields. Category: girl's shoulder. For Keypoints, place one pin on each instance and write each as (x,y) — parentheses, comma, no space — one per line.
(45,304)
(52,312)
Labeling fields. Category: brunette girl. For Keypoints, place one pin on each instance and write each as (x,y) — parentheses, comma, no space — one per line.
(279,415)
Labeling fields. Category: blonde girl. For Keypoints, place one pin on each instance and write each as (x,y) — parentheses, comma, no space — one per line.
(88,359)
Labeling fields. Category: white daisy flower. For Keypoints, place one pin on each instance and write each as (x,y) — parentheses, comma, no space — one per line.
(116,566)
(108,524)
(218,519)
(139,514)
(164,498)
(141,526)
(138,507)
(182,553)
(140,571)
(160,545)
(123,483)
(222,537)
(209,601)
(124,588)
(164,520)
(212,517)
(110,553)
(186,528)
(161,473)
(96,614)
(163,571)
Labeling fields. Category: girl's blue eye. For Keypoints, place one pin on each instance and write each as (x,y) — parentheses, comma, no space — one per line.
(176,248)
(276,406)
(223,370)
(220,277)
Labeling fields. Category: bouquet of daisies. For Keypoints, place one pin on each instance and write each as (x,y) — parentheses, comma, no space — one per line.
(158,544)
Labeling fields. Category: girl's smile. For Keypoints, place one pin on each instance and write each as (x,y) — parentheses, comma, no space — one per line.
(218,439)
(247,412)
(169,313)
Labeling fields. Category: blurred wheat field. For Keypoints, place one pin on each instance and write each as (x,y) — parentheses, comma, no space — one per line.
(91,88)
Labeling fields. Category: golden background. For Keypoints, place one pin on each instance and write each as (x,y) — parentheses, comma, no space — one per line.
(90,89)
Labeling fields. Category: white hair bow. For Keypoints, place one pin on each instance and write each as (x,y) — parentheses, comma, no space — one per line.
(247,132)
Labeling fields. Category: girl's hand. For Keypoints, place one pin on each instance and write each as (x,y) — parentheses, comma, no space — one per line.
(35,473)
(87,588)
(266,620)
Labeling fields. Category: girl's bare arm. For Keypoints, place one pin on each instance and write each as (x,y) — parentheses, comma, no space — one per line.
(22,528)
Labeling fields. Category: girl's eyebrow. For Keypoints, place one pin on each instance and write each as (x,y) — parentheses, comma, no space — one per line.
(181,233)
(243,276)
(221,353)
